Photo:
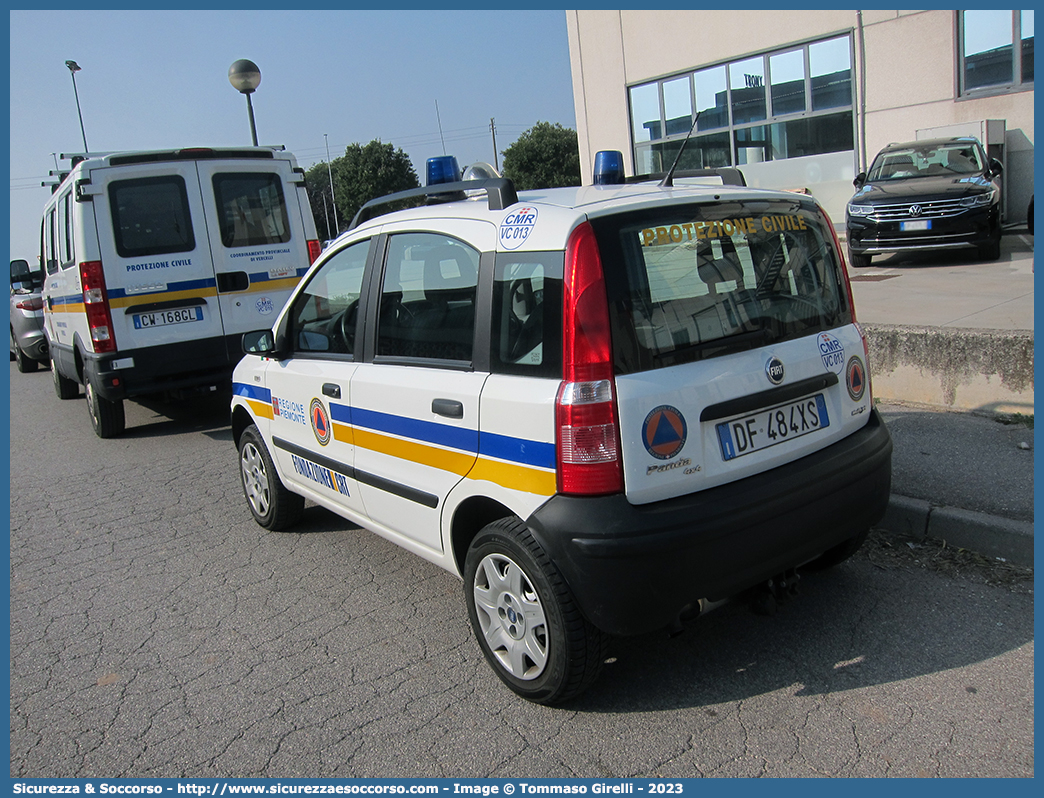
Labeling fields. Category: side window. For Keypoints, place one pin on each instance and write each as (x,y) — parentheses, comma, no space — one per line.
(251,209)
(527,319)
(50,255)
(64,231)
(150,216)
(427,305)
(324,314)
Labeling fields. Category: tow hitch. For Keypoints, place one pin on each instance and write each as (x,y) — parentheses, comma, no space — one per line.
(765,598)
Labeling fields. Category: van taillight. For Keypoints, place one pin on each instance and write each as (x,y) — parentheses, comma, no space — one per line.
(314,248)
(588,436)
(96,304)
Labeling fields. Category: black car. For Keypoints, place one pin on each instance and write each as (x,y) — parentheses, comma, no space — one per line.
(926,195)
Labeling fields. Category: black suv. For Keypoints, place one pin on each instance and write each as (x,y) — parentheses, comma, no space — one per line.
(926,195)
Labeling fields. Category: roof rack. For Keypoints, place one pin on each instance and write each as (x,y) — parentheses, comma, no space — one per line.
(500,192)
(730,175)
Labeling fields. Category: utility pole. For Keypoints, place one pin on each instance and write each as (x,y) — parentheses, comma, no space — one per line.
(493,129)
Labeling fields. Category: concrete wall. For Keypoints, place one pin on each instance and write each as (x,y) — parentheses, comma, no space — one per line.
(989,371)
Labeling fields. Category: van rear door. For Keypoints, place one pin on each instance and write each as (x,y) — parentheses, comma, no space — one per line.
(259,235)
(159,271)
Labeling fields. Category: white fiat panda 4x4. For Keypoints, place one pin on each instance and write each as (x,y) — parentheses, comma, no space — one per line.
(605,408)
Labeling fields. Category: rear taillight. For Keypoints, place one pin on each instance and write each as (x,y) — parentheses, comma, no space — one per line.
(314,248)
(588,436)
(96,304)
(33,303)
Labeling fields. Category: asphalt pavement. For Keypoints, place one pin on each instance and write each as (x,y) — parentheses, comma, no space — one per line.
(962,477)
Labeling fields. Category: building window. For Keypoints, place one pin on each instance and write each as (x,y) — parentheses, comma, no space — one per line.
(996,51)
(781,104)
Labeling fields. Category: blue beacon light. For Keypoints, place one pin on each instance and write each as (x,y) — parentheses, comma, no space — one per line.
(443,169)
(608,168)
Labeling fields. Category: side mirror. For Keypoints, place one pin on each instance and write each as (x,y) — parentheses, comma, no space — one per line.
(259,342)
(859,180)
(996,168)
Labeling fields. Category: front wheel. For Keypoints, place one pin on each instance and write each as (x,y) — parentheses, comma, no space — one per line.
(858,261)
(272,505)
(107,416)
(525,617)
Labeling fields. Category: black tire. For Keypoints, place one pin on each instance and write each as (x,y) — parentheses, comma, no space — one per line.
(272,505)
(991,250)
(63,386)
(107,416)
(839,553)
(26,365)
(525,618)
(858,261)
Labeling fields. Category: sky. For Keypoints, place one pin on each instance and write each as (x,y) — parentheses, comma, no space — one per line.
(427,82)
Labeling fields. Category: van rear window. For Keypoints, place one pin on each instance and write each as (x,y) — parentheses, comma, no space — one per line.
(150,216)
(688,282)
(251,209)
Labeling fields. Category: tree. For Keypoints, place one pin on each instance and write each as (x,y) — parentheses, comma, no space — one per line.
(545,156)
(317,184)
(361,174)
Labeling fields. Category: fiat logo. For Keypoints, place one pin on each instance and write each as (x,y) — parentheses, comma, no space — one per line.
(774,370)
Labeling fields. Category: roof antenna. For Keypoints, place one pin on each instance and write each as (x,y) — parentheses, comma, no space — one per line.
(439,119)
(668,179)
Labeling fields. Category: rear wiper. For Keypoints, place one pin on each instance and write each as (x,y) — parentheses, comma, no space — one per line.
(738,341)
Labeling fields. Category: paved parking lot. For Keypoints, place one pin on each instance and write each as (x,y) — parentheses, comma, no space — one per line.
(157,631)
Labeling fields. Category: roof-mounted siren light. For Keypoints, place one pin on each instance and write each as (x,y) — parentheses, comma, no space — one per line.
(443,169)
(608,168)
(480,171)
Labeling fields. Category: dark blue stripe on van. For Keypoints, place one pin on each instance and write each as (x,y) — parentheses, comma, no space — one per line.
(254,392)
(181,285)
(465,440)
(517,450)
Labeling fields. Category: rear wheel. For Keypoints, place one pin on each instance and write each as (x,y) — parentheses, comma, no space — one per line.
(272,505)
(63,386)
(525,617)
(25,364)
(107,416)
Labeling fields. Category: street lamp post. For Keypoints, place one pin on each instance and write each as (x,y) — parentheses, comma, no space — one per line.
(245,76)
(74,68)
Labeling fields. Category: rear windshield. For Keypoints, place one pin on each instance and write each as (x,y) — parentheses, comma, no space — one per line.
(688,282)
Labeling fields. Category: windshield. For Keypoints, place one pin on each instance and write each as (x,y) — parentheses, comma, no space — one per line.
(696,281)
(938,161)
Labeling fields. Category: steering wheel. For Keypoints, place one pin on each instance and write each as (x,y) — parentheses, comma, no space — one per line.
(348,320)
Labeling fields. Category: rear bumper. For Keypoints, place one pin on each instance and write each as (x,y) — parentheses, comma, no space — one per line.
(636,568)
(186,365)
(33,345)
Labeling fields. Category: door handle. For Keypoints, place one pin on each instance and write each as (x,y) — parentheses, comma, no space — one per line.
(331,390)
(449,408)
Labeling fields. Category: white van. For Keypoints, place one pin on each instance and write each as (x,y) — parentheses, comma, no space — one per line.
(156,263)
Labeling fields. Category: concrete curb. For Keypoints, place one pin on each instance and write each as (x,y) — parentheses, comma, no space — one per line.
(991,535)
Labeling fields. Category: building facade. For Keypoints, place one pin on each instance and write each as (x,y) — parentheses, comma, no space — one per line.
(802,99)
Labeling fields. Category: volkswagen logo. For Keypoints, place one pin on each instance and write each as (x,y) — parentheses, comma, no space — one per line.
(774,370)
(915,210)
